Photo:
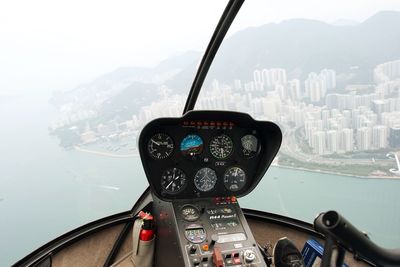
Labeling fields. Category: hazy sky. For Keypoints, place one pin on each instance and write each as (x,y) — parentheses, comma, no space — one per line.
(50,44)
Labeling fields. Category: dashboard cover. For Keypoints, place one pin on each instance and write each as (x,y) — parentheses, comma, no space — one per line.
(207,154)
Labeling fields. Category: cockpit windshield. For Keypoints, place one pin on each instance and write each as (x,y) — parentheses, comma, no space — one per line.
(328,73)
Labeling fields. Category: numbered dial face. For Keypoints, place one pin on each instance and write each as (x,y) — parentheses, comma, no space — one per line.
(221,146)
(205,179)
(173,180)
(234,179)
(192,145)
(250,145)
(160,146)
(190,213)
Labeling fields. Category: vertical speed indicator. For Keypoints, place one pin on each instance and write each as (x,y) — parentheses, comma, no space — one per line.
(234,179)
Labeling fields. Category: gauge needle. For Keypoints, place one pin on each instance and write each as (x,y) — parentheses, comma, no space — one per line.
(170,183)
(155,142)
(236,173)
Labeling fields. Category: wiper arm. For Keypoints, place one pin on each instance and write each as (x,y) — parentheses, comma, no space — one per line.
(222,28)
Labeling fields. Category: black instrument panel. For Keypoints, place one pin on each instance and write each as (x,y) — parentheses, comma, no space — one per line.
(207,154)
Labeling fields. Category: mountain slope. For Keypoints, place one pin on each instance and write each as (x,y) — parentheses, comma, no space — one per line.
(310,46)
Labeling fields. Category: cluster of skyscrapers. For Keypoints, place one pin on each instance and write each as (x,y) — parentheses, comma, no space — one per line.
(362,117)
(325,118)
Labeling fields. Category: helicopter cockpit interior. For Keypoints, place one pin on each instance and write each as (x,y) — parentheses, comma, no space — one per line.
(198,166)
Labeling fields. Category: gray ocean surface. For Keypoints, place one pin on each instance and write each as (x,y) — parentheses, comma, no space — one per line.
(46,191)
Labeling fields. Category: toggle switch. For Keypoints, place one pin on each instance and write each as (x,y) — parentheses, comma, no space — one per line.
(192,249)
(214,239)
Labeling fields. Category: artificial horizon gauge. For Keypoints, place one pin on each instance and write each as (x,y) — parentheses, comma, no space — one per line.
(234,179)
(173,180)
(191,145)
(160,146)
(250,145)
(221,146)
(205,179)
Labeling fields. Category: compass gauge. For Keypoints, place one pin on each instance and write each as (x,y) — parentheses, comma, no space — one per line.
(205,179)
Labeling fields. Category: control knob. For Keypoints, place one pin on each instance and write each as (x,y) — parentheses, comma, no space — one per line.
(249,256)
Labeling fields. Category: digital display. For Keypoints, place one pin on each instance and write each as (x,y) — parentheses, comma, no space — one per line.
(194,231)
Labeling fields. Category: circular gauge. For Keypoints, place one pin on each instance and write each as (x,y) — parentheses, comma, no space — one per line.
(160,146)
(221,146)
(190,213)
(191,145)
(173,180)
(250,145)
(205,179)
(234,179)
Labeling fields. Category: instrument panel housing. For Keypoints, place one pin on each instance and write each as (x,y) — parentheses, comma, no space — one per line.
(208,124)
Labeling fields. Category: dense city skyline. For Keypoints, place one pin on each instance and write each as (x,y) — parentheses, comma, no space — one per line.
(364,118)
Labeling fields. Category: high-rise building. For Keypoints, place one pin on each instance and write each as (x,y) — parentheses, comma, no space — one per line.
(318,142)
(294,90)
(238,84)
(346,140)
(364,138)
(379,136)
(394,137)
(387,71)
(332,141)
(329,76)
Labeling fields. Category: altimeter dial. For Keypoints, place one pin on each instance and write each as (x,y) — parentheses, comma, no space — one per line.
(221,146)
(160,146)
(173,180)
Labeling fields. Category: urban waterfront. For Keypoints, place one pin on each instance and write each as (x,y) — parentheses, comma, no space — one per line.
(47,191)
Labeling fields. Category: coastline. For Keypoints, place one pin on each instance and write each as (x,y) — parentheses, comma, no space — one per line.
(112,155)
(335,173)
(106,154)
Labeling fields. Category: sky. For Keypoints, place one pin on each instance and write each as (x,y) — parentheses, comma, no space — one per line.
(48,45)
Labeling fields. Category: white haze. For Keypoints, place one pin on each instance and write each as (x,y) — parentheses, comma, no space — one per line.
(48,45)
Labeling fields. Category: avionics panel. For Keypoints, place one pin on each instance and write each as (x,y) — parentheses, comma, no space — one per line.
(215,228)
(207,154)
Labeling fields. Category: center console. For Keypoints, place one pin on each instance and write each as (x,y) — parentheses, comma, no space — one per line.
(197,165)
(207,232)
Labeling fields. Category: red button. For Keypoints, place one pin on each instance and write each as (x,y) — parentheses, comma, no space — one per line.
(236,260)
